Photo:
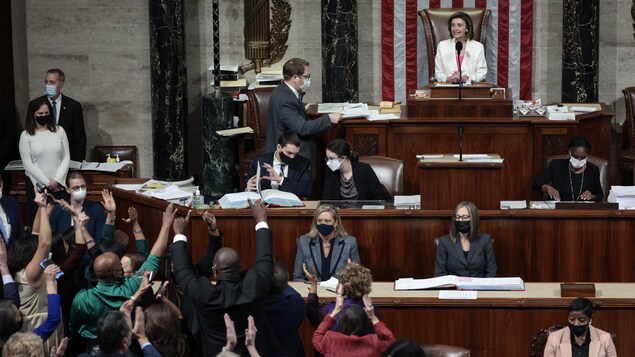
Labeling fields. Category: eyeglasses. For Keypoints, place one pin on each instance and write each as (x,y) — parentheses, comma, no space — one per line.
(304,76)
(463,217)
(77,188)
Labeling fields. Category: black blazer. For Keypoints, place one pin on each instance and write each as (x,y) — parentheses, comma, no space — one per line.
(72,120)
(238,295)
(557,174)
(480,262)
(298,180)
(12,209)
(366,182)
(286,112)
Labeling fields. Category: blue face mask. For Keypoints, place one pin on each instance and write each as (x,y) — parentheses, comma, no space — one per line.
(50,90)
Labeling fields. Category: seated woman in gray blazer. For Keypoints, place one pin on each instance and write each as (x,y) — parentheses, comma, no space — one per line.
(327,248)
(465,251)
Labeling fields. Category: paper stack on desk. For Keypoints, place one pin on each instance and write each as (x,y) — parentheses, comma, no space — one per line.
(623,195)
(460,282)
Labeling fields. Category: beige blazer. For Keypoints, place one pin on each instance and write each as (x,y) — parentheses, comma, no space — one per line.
(559,344)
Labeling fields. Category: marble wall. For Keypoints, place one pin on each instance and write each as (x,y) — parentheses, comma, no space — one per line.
(103,46)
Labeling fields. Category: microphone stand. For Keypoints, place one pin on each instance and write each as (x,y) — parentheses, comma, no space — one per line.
(460,75)
(461,128)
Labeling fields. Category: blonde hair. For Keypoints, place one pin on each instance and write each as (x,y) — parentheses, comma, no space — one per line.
(340,232)
(23,344)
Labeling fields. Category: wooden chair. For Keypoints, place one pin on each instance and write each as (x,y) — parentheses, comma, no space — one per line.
(445,351)
(257,118)
(435,25)
(125,152)
(628,145)
(389,171)
(602,164)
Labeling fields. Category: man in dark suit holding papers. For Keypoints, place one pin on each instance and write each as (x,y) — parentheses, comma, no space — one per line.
(283,169)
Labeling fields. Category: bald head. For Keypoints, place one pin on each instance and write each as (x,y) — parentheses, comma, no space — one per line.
(227,261)
(108,267)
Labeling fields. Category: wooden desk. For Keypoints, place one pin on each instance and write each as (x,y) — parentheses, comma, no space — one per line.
(497,323)
(476,102)
(537,245)
(524,143)
(446,181)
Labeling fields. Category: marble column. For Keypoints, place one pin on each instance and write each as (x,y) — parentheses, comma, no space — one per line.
(218,151)
(580,50)
(169,90)
(340,78)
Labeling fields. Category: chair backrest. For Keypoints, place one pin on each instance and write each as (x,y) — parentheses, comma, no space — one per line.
(125,152)
(602,164)
(389,171)
(538,343)
(445,351)
(629,123)
(435,26)
(258,113)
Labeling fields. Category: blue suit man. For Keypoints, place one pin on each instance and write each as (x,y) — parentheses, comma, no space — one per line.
(283,169)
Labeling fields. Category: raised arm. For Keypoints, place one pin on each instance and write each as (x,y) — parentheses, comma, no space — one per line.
(162,240)
(264,258)
(214,244)
(140,239)
(33,269)
(53,318)
(9,287)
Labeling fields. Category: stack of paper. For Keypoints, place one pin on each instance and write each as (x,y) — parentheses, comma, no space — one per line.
(623,195)
(348,110)
(460,282)
(408,202)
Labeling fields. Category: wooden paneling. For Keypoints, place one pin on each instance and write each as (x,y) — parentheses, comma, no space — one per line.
(537,245)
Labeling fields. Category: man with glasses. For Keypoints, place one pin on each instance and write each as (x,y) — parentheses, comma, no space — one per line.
(283,169)
(287,112)
(61,220)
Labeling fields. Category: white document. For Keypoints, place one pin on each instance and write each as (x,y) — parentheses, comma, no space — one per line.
(99,166)
(15,165)
(172,192)
(561,116)
(374,115)
(494,160)
(472,156)
(331,283)
(583,109)
(458,294)
(324,108)
(430,156)
(373,206)
(235,131)
(129,187)
(542,204)
(407,202)
(513,204)
(461,282)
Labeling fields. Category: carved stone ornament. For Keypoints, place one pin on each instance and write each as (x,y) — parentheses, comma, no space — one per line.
(279,34)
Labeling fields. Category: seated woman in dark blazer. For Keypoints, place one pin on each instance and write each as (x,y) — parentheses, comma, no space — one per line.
(465,251)
(347,178)
(572,179)
(326,249)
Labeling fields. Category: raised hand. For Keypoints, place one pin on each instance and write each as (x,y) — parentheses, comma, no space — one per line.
(168,215)
(369,308)
(108,202)
(339,301)
(180,224)
(210,220)
(139,329)
(132,216)
(312,278)
(60,350)
(272,174)
(40,198)
(231,333)
(259,210)
(250,332)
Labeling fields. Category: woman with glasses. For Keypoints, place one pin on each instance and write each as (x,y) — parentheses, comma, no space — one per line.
(347,178)
(572,179)
(465,251)
(44,153)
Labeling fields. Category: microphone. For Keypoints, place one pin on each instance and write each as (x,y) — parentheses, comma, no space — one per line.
(459,48)
(461,128)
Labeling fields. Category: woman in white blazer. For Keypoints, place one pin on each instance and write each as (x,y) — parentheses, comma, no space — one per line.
(472,55)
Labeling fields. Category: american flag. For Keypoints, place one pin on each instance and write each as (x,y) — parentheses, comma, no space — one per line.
(508,49)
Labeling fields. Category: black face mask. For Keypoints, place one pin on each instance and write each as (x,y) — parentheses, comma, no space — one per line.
(287,160)
(325,229)
(578,330)
(462,226)
(42,120)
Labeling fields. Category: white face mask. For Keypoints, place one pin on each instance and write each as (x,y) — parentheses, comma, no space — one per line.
(306,85)
(334,165)
(575,163)
(79,195)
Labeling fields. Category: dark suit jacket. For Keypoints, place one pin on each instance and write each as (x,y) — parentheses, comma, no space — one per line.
(557,175)
(239,295)
(61,220)
(8,139)
(148,351)
(72,120)
(298,180)
(286,313)
(12,209)
(480,262)
(309,253)
(366,182)
(286,112)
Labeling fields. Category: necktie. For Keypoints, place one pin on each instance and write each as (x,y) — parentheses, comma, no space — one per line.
(282,166)
(4,231)
(54,104)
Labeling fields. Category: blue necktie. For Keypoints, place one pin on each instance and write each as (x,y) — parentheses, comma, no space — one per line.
(54,104)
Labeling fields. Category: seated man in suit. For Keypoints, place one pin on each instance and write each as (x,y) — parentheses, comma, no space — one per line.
(287,112)
(11,226)
(282,169)
(67,112)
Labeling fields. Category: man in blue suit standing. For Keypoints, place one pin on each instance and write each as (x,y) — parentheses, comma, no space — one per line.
(11,226)
(283,169)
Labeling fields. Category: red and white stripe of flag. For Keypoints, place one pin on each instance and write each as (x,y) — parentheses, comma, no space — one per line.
(508,50)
